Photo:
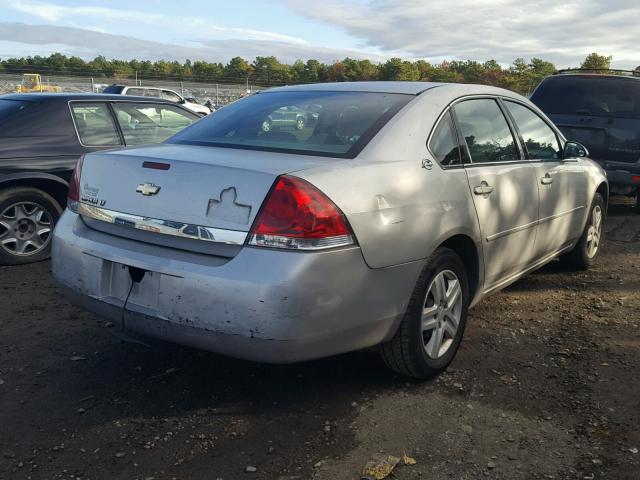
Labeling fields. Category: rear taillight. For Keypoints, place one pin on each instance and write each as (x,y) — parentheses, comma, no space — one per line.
(635,178)
(74,187)
(297,215)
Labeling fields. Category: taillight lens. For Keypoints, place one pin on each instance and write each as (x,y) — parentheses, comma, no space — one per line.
(74,187)
(296,215)
(635,178)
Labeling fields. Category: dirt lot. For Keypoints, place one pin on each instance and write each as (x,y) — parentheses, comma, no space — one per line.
(546,385)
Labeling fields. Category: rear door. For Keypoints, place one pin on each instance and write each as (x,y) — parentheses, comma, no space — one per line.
(562,184)
(503,187)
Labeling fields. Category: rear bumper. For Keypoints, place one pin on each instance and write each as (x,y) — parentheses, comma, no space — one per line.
(263,305)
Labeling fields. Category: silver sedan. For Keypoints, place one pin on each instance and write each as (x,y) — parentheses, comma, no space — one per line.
(380,223)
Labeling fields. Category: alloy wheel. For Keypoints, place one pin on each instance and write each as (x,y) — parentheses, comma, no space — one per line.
(25,228)
(594,232)
(441,314)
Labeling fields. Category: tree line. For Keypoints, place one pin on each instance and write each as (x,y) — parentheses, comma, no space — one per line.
(521,76)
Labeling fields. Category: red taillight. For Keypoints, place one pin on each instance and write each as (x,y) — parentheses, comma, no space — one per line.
(298,215)
(74,186)
(635,178)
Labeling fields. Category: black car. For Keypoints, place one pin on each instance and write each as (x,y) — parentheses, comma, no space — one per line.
(42,136)
(601,110)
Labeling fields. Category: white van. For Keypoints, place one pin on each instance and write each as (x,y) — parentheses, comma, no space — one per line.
(156,92)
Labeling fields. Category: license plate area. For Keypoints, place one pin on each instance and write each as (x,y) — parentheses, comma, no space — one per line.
(116,283)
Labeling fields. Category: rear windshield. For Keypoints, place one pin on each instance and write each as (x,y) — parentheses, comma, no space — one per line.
(9,107)
(589,95)
(334,124)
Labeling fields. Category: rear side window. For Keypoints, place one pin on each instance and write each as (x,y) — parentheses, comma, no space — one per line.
(138,92)
(539,139)
(332,124)
(95,124)
(150,123)
(589,95)
(444,142)
(486,131)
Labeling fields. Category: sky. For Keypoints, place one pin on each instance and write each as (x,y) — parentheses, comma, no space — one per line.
(561,31)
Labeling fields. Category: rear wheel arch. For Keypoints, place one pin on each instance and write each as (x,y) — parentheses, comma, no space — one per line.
(466,249)
(56,187)
(603,190)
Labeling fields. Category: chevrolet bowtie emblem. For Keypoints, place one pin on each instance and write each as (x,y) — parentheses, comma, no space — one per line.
(148,189)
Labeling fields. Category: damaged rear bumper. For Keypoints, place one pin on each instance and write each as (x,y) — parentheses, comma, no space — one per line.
(263,305)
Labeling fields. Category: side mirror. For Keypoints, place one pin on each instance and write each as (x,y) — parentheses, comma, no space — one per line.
(574,150)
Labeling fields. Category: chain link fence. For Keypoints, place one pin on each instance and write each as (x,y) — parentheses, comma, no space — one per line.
(216,93)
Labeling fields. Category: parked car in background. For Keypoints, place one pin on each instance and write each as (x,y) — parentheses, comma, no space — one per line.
(600,109)
(163,93)
(403,206)
(290,118)
(41,138)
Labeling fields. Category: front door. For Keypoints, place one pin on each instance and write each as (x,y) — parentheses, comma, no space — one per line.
(504,189)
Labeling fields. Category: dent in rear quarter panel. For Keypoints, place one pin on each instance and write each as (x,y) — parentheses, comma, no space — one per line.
(399,211)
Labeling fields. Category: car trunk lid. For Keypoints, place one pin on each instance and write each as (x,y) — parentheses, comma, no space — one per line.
(179,195)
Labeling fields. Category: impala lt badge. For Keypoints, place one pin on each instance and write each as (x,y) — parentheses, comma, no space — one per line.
(148,189)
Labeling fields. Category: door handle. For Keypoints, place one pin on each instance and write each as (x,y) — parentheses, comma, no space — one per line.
(483,189)
(546,180)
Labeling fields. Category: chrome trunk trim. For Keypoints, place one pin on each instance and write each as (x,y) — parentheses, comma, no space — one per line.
(163,227)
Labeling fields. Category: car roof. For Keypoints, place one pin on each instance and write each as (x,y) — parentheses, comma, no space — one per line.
(594,75)
(39,97)
(408,88)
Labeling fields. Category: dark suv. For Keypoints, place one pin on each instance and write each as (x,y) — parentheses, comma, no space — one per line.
(42,136)
(601,110)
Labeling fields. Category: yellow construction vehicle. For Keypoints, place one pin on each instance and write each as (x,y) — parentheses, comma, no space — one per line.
(32,83)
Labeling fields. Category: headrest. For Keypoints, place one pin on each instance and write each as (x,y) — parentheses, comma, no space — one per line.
(353,122)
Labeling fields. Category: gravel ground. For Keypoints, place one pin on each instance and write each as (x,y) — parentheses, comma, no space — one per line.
(546,385)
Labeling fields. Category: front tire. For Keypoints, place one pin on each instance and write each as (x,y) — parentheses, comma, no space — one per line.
(431,331)
(27,218)
(584,254)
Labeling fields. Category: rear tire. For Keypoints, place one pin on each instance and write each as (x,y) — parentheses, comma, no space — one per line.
(584,254)
(432,328)
(27,218)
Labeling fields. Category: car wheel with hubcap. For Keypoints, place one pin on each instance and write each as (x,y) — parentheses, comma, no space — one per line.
(27,218)
(588,247)
(430,333)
